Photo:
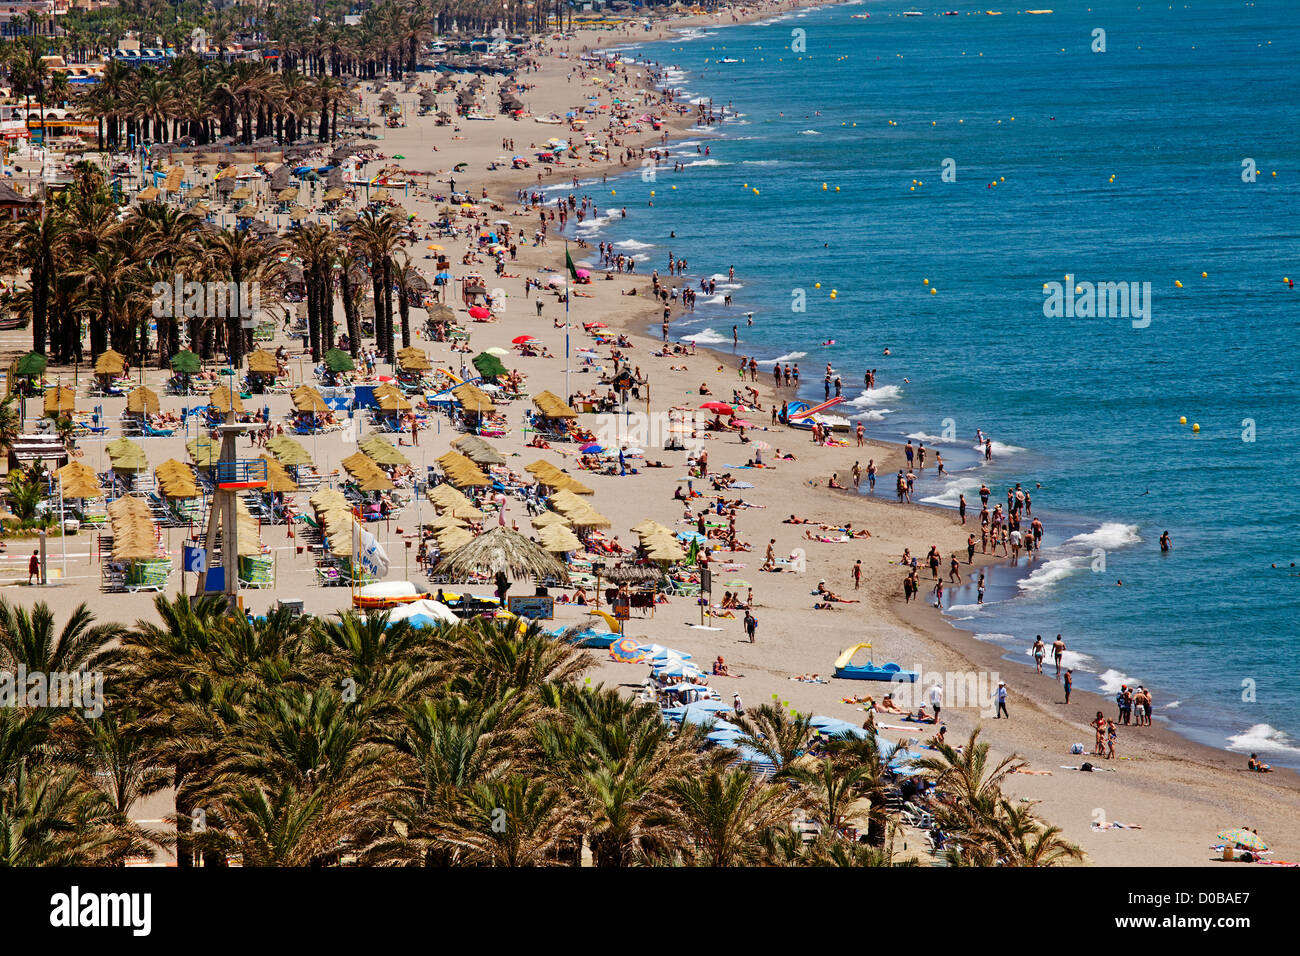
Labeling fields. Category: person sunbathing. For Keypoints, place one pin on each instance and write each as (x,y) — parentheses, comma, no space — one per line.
(793,520)
(720,668)
(1255,765)
(889,707)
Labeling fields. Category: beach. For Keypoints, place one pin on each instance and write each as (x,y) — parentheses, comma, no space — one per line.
(1179,793)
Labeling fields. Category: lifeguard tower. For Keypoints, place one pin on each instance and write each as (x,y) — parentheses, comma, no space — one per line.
(232,476)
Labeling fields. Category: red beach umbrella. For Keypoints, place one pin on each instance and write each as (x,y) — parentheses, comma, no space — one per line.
(521,339)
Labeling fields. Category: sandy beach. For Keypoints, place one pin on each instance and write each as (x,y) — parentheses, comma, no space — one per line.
(1179,793)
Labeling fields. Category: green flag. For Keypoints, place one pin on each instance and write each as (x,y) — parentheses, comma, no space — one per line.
(568,261)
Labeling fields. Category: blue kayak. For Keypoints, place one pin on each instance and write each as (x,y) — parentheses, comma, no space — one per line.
(884,672)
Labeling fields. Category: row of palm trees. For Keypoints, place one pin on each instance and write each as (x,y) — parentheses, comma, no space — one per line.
(83,268)
(311,742)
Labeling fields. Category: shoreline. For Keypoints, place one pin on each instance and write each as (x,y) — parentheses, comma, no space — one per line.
(941,622)
(1168,756)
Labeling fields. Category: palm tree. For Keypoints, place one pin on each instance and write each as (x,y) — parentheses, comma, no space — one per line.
(779,736)
(29,639)
(36,243)
(728,814)
(379,235)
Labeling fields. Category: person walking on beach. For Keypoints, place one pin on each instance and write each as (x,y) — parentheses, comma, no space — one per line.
(910,452)
(1067,681)
(970,549)
(861,434)
(920,456)
(857,574)
(751,626)
(954,570)
(857,476)
(1058,652)
(1000,697)
(961,507)
(1111,734)
(979,590)
(1039,650)
(938,595)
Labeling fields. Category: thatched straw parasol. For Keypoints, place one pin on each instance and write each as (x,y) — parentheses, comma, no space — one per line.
(307,399)
(204,451)
(445,520)
(288,452)
(176,479)
(502,549)
(224,400)
(632,574)
(587,518)
(60,401)
(558,539)
(78,480)
(462,472)
(369,476)
(474,399)
(277,479)
(379,449)
(262,362)
(110,363)
(552,406)
(452,539)
(126,455)
(142,401)
(478,451)
(413,359)
(549,519)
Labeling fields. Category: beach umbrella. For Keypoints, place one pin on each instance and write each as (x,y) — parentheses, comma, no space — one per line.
(336,360)
(559,539)
(142,401)
(60,401)
(78,480)
(288,451)
(445,520)
(592,449)
(277,479)
(1244,838)
(307,399)
(502,549)
(478,451)
(379,449)
(176,479)
(126,455)
(549,519)
(627,650)
(722,408)
(225,401)
(479,312)
(488,365)
(33,363)
(520,339)
(262,362)
(110,363)
(204,451)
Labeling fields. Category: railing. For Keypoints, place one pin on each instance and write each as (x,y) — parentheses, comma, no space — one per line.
(249,471)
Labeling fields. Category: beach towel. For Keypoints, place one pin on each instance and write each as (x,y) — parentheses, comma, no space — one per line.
(1116,825)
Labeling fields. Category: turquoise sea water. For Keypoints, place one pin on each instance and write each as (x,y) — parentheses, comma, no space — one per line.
(1088,407)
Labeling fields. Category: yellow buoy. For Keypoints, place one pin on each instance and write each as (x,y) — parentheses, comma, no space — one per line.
(834,294)
(817,285)
(1177,283)
(755,190)
(1182,419)
(925,281)
(933,291)
(823,185)
(837,188)
(1205,275)
(1196,427)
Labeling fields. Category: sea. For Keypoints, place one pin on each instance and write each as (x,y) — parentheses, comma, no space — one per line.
(917,184)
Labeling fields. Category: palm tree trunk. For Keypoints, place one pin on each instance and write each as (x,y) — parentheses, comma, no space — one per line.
(350,312)
(389,349)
